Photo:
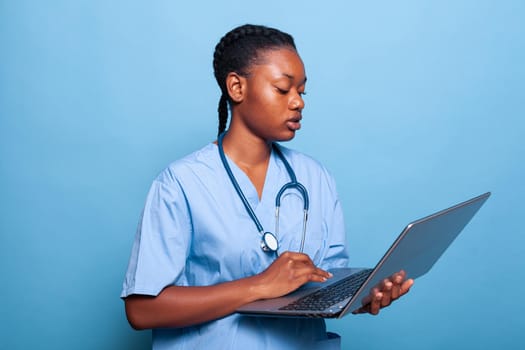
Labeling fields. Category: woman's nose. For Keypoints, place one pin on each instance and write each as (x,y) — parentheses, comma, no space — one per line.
(297,102)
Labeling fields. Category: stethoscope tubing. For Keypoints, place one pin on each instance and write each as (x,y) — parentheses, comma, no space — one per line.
(236,185)
(292,184)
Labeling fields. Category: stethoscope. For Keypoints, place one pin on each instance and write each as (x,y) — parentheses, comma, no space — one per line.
(269,242)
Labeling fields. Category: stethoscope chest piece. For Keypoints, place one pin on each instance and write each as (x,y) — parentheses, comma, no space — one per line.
(269,242)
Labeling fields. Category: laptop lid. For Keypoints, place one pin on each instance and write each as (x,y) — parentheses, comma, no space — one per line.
(415,250)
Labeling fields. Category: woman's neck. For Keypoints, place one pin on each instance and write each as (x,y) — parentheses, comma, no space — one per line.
(250,154)
(246,148)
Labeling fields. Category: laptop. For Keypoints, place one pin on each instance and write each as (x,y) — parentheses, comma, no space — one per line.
(415,250)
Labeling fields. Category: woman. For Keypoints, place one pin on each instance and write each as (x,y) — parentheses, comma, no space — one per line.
(197,255)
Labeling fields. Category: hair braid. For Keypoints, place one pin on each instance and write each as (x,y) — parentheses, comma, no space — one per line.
(237,51)
(223,113)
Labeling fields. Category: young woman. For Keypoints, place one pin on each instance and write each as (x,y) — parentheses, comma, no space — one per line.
(198,253)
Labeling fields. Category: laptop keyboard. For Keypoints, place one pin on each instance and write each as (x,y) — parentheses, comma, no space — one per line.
(330,295)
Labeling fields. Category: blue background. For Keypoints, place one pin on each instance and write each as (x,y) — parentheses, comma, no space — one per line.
(413,105)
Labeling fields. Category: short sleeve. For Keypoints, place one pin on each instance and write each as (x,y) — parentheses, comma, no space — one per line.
(162,241)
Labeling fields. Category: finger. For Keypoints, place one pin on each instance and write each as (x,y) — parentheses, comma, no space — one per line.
(397,280)
(368,299)
(370,303)
(303,273)
(361,310)
(405,287)
(323,273)
(387,293)
(402,275)
(398,277)
(395,291)
(308,273)
(299,261)
(375,304)
(320,274)
(318,277)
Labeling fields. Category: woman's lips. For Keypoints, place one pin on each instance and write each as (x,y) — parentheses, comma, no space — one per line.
(294,124)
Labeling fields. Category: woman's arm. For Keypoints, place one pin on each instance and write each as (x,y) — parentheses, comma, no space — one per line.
(178,306)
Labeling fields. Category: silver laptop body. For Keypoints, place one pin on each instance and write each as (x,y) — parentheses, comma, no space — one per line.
(415,251)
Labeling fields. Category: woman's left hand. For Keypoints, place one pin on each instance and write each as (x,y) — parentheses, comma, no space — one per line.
(385,292)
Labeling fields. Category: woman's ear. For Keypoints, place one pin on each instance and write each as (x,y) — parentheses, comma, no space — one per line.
(236,86)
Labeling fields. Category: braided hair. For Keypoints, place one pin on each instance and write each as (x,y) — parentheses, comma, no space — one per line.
(237,51)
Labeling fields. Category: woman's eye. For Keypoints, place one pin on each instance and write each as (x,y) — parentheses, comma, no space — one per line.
(282,91)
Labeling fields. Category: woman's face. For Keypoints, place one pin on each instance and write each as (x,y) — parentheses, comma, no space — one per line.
(272,103)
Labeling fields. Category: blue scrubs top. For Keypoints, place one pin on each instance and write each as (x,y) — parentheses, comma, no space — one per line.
(195,231)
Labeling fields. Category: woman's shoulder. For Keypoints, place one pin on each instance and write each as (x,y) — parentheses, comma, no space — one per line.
(190,165)
(303,161)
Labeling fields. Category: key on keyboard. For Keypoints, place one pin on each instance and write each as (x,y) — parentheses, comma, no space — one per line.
(328,296)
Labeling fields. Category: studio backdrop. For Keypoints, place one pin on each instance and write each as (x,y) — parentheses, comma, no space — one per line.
(413,106)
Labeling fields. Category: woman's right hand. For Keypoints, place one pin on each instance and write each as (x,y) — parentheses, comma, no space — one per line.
(287,273)
(179,306)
